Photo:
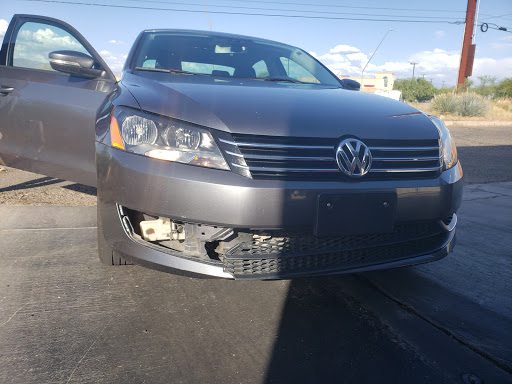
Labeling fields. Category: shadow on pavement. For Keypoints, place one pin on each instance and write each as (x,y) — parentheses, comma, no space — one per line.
(41,182)
(81,188)
(325,336)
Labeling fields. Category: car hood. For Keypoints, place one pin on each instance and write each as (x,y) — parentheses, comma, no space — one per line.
(278,109)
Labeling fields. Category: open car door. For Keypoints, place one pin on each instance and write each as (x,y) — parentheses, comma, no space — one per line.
(52,83)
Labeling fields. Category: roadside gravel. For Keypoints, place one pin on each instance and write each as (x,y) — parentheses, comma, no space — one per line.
(485,153)
(26,188)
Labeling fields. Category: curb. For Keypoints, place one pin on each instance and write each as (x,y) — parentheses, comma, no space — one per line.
(483,123)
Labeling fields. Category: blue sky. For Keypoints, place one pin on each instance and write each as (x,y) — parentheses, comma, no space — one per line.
(343,45)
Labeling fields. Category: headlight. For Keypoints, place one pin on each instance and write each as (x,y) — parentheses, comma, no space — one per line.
(164,138)
(447,143)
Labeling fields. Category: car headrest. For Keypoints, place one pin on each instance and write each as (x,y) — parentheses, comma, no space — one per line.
(245,72)
(216,72)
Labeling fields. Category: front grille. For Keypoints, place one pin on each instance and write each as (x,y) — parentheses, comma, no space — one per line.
(283,158)
(285,255)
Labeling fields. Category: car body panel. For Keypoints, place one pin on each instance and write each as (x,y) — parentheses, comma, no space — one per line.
(246,106)
(47,122)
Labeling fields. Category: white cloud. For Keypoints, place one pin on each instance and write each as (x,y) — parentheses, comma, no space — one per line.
(359,56)
(344,49)
(437,64)
(116,42)
(497,68)
(330,57)
(49,39)
(437,60)
(114,61)
(3,27)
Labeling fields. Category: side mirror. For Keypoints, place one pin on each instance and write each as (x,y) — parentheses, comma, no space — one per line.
(350,84)
(75,63)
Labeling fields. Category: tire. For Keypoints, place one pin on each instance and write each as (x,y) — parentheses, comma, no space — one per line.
(106,254)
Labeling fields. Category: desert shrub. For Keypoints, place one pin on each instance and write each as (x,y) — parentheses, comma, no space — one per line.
(445,103)
(471,104)
(504,104)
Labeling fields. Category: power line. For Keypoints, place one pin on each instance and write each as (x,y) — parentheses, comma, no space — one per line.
(296,11)
(499,16)
(350,6)
(363,7)
(245,13)
(494,26)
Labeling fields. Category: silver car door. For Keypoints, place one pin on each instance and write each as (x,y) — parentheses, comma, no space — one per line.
(47,116)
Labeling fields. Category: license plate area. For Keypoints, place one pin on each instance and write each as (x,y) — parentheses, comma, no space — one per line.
(355,213)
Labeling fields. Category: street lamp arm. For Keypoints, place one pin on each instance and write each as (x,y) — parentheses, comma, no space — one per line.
(374,52)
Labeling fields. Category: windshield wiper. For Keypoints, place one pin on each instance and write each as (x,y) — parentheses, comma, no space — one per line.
(281,79)
(174,71)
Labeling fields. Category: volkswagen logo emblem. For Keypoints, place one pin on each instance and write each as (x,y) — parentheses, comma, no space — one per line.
(353,157)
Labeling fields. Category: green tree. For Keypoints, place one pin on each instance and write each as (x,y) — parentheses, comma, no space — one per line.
(504,89)
(487,86)
(415,89)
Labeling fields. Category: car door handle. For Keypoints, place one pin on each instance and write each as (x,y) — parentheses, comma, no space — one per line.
(5,90)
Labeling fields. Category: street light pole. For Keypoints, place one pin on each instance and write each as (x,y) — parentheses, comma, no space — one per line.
(413,63)
(373,54)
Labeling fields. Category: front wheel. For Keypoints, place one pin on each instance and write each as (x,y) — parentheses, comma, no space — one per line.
(106,254)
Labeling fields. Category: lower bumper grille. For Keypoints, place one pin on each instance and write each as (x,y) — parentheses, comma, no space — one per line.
(287,256)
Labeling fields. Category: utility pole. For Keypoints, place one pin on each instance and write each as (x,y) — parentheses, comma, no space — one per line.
(443,84)
(467,54)
(423,75)
(413,63)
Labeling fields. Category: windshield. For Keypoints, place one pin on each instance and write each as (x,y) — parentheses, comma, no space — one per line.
(231,57)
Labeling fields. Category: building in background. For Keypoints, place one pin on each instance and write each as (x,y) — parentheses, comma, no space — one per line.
(381,84)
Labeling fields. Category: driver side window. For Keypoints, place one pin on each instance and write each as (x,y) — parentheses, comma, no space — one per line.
(34,41)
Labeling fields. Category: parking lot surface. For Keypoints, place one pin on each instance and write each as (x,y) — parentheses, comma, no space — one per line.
(66,318)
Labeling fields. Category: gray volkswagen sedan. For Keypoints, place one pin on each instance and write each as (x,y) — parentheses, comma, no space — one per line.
(228,156)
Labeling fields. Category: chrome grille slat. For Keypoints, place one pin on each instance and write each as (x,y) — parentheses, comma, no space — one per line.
(294,159)
(406,158)
(276,146)
(404,149)
(265,169)
(402,170)
(284,158)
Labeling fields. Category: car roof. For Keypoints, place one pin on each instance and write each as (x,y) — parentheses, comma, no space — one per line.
(213,34)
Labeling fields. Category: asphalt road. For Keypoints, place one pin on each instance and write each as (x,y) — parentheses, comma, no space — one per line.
(66,318)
